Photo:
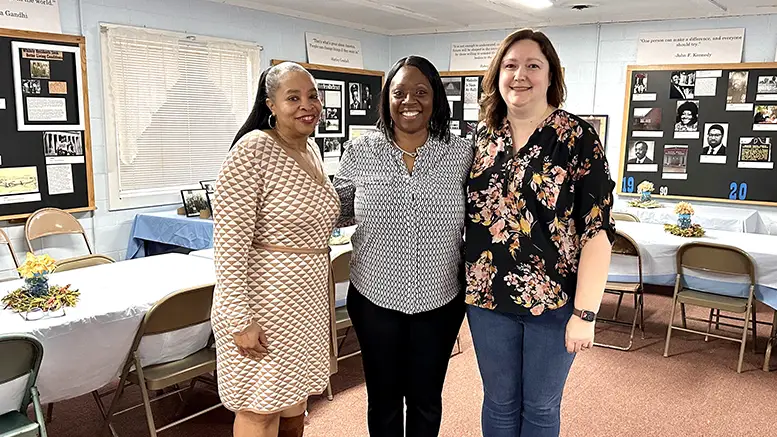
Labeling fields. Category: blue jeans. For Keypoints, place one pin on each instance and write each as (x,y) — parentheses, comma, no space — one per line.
(524,365)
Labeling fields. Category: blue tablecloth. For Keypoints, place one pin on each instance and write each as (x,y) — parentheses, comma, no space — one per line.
(169,228)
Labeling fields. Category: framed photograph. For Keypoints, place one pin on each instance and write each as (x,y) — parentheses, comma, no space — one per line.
(599,123)
(195,201)
(209,185)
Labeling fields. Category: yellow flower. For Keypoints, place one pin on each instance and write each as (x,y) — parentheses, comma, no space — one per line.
(36,265)
(645,186)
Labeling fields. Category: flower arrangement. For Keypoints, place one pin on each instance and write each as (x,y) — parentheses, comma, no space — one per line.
(684,227)
(684,208)
(36,294)
(645,188)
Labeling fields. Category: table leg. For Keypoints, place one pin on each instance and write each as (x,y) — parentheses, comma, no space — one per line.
(772,338)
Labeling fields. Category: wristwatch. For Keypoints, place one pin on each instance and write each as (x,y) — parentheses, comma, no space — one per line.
(588,316)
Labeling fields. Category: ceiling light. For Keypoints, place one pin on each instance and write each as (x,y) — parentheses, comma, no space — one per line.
(535,4)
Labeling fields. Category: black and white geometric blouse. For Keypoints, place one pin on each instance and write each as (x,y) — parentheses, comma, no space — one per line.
(407,247)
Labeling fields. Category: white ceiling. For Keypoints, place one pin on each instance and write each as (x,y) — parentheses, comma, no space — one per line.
(407,17)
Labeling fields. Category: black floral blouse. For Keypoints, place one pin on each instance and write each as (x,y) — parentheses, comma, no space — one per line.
(529,213)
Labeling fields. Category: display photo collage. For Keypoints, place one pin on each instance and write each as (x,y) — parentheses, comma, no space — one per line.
(652,149)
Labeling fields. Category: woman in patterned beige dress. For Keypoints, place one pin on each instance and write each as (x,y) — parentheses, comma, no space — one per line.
(274,210)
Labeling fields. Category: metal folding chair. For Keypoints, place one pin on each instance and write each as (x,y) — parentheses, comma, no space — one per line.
(22,355)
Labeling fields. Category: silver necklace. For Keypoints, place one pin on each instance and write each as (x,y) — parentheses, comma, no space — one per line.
(410,154)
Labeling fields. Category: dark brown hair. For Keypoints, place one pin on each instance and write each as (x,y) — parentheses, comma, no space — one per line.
(493,108)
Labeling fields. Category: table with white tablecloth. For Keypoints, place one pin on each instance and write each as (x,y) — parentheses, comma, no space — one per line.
(709,217)
(658,249)
(84,350)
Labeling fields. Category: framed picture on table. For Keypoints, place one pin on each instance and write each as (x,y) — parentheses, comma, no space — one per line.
(599,123)
(195,201)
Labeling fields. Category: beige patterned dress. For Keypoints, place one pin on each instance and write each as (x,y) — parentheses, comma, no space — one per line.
(272,222)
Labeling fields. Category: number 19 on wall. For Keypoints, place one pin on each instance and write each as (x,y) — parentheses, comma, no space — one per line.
(628,185)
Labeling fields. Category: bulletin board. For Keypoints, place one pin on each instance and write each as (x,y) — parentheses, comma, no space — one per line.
(351,99)
(463,89)
(704,132)
(45,142)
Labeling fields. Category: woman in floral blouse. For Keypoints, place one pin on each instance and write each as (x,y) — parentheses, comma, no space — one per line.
(539,235)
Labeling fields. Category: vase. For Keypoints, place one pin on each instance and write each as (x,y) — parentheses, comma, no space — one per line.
(37,285)
(684,221)
(645,196)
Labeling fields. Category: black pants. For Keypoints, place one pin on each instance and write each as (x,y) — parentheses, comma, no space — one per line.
(405,359)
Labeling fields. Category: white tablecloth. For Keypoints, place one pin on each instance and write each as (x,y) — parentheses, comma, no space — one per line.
(709,217)
(659,248)
(767,222)
(84,350)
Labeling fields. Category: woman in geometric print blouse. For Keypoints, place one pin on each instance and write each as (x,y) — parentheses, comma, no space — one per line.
(538,238)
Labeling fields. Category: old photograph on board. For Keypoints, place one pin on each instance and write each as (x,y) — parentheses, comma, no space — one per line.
(40,70)
(715,141)
(675,162)
(31,86)
(332,122)
(755,152)
(767,88)
(194,201)
(332,147)
(452,86)
(18,180)
(646,122)
(736,93)
(687,119)
(765,118)
(599,123)
(355,131)
(355,102)
(640,89)
(682,84)
(63,147)
(641,156)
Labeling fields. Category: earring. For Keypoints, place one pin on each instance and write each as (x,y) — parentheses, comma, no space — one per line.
(271,120)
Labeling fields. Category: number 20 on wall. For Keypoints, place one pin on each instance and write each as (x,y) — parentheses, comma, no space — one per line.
(737,191)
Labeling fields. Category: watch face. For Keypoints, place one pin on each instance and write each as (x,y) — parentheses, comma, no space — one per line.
(588,316)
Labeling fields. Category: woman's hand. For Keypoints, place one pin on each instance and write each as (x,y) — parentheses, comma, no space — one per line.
(579,335)
(251,342)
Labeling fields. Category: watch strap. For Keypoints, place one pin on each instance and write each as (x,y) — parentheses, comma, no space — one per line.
(588,316)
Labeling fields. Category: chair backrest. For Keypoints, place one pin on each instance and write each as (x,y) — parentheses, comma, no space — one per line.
(625,245)
(6,241)
(22,355)
(624,217)
(341,267)
(52,221)
(716,258)
(81,262)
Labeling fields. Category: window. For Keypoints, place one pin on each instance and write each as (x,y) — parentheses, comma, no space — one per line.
(173,104)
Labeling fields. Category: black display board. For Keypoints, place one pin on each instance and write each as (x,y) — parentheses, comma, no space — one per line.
(704,132)
(350,100)
(463,100)
(45,143)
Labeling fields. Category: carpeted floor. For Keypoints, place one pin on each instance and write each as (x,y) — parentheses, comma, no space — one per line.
(694,392)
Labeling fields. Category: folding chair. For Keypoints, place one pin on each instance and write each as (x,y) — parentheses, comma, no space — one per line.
(22,355)
(341,272)
(52,221)
(176,311)
(721,260)
(624,217)
(4,240)
(626,246)
(80,262)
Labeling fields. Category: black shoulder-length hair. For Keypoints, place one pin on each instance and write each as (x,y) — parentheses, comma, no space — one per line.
(260,113)
(439,124)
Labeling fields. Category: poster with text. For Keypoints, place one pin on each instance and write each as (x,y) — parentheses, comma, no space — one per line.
(332,122)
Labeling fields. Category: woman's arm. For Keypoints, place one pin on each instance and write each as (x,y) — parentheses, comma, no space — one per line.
(236,196)
(596,229)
